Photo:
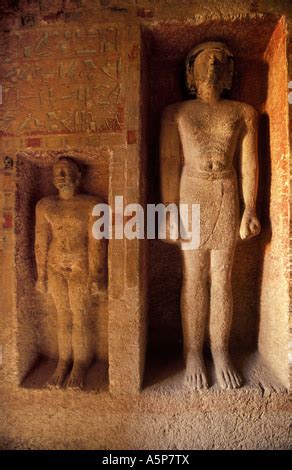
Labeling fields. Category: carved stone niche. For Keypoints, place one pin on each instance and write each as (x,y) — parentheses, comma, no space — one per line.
(37,346)
(259,335)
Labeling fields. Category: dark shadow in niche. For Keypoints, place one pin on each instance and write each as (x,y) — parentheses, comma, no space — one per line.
(96,377)
(249,255)
(164,85)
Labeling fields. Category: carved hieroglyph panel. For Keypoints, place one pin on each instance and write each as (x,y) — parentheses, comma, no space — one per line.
(62,81)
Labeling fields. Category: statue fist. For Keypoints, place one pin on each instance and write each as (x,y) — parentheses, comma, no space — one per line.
(41,286)
(169,230)
(250,225)
(95,288)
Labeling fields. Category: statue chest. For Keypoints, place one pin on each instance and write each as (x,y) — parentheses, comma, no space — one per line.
(68,217)
(208,135)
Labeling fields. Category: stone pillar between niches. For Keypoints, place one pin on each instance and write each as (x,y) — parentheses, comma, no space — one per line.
(127,326)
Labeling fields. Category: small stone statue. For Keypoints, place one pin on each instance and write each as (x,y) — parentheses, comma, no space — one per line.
(70,265)
(200,141)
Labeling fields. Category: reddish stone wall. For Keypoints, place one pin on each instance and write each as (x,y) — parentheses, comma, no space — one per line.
(71,76)
(274,294)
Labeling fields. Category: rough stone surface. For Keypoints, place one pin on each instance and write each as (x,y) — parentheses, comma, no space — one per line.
(71,264)
(201,142)
(89,79)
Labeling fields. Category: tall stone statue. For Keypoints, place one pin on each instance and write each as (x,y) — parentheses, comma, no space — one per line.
(70,266)
(200,141)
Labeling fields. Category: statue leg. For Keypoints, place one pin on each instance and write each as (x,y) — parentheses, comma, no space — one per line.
(82,354)
(194,309)
(58,289)
(221,309)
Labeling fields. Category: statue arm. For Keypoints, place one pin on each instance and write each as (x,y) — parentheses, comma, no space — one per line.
(170,157)
(97,253)
(250,225)
(42,239)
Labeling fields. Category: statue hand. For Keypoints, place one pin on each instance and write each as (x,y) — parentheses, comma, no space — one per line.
(250,225)
(95,288)
(41,286)
(171,229)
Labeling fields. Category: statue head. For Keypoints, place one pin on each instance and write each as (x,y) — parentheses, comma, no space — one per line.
(67,175)
(210,64)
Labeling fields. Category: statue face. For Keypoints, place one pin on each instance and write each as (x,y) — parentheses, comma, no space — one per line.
(210,67)
(66,175)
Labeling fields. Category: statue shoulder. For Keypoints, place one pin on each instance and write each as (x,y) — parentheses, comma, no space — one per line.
(171,111)
(247,111)
(91,201)
(45,203)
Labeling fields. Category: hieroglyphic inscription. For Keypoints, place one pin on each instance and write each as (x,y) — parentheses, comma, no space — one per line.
(61,82)
(42,5)
(6,198)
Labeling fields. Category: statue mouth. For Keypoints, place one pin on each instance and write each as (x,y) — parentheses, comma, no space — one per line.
(63,184)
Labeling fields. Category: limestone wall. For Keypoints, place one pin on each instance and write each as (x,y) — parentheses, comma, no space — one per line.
(89,78)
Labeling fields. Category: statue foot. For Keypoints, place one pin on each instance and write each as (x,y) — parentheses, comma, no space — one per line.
(76,379)
(59,375)
(227,376)
(195,374)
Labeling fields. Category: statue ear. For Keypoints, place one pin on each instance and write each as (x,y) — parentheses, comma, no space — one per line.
(190,80)
(229,74)
(78,176)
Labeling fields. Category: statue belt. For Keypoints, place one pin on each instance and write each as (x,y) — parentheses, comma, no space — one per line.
(209,175)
